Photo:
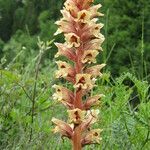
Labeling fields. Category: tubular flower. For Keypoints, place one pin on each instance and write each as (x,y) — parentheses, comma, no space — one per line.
(62,127)
(92,137)
(76,116)
(83,16)
(89,56)
(84,81)
(65,70)
(64,96)
(72,40)
(92,101)
(65,51)
(95,70)
(83,42)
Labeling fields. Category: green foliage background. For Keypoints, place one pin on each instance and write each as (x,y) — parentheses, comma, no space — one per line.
(27,74)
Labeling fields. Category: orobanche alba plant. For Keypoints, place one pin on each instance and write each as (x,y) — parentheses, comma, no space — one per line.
(82,44)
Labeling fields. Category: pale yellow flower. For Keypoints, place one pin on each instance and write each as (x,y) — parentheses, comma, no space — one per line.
(84,81)
(94,11)
(92,137)
(89,56)
(76,116)
(65,69)
(72,40)
(63,94)
(83,16)
(95,30)
(90,118)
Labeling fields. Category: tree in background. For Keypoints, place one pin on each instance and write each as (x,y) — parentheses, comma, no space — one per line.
(123,31)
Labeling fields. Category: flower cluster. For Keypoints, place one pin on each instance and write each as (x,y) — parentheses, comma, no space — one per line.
(82,45)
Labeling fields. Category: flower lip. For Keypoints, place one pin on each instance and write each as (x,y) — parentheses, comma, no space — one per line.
(76,115)
(90,56)
(65,70)
(83,16)
(72,40)
(84,81)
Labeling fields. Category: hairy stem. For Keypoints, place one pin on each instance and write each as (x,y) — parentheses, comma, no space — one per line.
(77,139)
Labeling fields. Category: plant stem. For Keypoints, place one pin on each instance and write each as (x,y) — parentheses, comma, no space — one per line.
(78,92)
(34,93)
(77,139)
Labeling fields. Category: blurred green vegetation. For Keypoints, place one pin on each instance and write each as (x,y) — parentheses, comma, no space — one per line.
(127,32)
(27,74)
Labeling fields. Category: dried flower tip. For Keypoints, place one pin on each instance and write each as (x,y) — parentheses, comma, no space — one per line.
(72,40)
(90,56)
(76,115)
(84,81)
(59,31)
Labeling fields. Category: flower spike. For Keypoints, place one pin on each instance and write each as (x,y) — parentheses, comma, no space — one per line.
(83,42)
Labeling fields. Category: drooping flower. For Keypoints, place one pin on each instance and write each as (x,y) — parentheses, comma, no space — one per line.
(63,50)
(92,137)
(95,70)
(64,96)
(65,70)
(62,127)
(92,101)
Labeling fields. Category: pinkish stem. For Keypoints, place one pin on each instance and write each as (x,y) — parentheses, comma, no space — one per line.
(78,68)
(76,140)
